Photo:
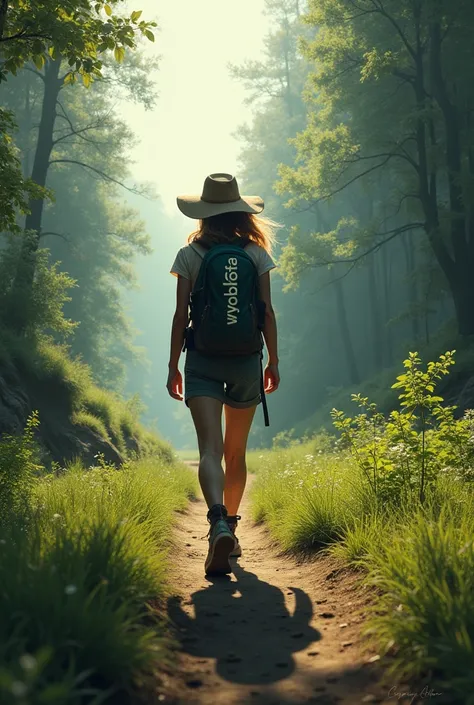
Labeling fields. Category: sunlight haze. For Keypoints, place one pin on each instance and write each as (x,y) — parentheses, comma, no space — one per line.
(188,134)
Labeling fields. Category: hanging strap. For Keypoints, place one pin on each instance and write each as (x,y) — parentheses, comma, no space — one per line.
(263,396)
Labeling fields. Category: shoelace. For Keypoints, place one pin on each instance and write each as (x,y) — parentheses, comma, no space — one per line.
(211,525)
(232,524)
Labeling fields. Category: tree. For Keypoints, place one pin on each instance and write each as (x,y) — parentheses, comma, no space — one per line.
(73,29)
(392,102)
(76,30)
(86,228)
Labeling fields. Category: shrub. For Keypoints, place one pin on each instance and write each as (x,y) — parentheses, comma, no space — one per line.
(401,456)
(42,308)
(18,466)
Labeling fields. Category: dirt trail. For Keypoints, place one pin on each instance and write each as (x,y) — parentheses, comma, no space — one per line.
(274,632)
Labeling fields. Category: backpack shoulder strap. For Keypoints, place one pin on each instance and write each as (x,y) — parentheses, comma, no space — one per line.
(196,249)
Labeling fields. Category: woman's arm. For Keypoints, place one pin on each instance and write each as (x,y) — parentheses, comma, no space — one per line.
(180,321)
(272,375)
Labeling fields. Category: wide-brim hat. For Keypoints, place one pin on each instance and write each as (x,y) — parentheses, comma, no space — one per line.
(220,194)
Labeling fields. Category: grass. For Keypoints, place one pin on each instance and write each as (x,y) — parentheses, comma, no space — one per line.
(187,454)
(82,579)
(421,559)
(56,380)
(83,418)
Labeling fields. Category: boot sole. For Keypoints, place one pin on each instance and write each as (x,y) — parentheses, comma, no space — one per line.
(217,562)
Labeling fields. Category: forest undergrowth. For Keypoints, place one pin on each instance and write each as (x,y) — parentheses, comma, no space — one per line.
(65,382)
(392,496)
(83,555)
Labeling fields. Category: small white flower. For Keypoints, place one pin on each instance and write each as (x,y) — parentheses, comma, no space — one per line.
(70,589)
(2,541)
(56,516)
(28,662)
(19,689)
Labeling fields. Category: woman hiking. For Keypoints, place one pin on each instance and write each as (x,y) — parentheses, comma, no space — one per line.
(223,308)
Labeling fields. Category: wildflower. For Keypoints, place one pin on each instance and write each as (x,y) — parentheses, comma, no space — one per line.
(19,689)
(70,589)
(27,662)
(56,516)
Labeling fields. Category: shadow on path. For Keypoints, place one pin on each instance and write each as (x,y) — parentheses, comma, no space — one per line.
(246,626)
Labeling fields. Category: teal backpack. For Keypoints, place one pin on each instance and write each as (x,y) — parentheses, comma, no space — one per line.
(226,312)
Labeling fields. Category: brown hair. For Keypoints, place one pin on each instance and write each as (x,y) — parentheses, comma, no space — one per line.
(227,226)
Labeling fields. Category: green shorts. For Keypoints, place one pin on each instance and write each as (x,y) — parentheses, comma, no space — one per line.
(235,381)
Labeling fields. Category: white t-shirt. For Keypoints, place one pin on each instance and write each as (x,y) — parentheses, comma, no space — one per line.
(188,261)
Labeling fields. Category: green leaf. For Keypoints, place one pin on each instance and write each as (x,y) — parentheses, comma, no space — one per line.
(69,78)
(149,35)
(108,10)
(119,54)
(39,61)
(135,16)
(86,80)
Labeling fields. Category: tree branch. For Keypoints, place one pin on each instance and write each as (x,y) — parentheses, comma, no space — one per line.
(24,35)
(34,71)
(391,235)
(380,8)
(100,173)
(404,156)
(80,134)
(353,180)
(334,280)
(61,235)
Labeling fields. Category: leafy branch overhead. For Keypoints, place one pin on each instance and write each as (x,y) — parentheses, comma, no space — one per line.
(75,30)
(389,134)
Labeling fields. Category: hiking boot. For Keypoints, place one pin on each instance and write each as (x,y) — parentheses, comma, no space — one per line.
(232,524)
(221,541)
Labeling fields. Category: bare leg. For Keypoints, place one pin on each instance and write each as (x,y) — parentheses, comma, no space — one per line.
(237,428)
(207,417)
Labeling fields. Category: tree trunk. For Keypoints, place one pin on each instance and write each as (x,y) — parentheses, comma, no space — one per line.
(463,297)
(289,101)
(455,271)
(459,274)
(409,251)
(386,275)
(374,314)
(26,125)
(453,152)
(23,283)
(345,333)
(470,139)
(3,16)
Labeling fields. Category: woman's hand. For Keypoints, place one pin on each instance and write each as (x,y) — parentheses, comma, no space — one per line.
(271,378)
(174,385)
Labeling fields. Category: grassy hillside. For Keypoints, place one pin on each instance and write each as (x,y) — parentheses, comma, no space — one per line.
(78,418)
(83,559)
(393,497)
